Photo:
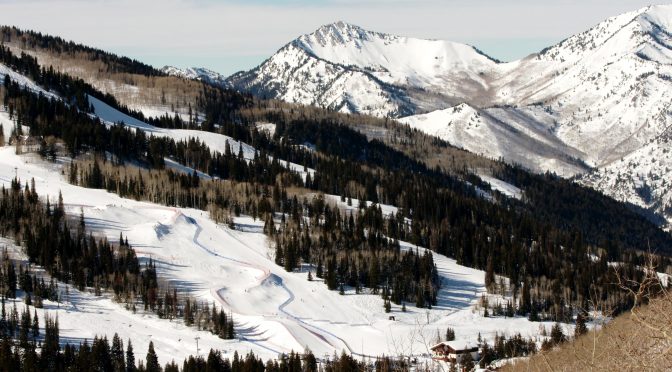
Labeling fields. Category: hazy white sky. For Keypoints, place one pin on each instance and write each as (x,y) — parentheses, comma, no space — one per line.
(231,35)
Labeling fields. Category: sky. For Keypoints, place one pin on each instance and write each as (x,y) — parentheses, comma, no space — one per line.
(232,35)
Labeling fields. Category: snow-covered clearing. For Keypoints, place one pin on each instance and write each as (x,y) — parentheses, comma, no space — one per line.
(503,187)
(215,141)
(388,210)
(23,81)
(275,311)
(266,127)
(171,164)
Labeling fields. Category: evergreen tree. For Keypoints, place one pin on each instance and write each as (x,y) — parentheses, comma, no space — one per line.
(309,361)
(130,357)
(24,328)
(490,275)
(534,314)
(230,334)
(581,327)
(487,355)
(100,352)
(467,362)
(318,271)
(50,346)
(508,312)
(525,300)
(152,360)
(36,326)
(557,336)
(172,367)
(117,352)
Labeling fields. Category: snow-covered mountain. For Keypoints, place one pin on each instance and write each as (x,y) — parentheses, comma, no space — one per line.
(349,69)
(578,106)
(198,73)
(583,82)
(609,90)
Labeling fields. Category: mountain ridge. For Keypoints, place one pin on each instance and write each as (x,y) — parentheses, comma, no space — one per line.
(574,108)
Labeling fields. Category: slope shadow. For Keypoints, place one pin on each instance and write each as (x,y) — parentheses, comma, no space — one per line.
(101,224)
(251,333)
(456,294)
(249,228)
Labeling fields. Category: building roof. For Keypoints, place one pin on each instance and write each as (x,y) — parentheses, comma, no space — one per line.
(457,345)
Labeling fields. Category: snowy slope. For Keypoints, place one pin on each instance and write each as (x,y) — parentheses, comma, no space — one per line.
(503,187)
(275,311)
(643,178)
(520,136)
(344,67)
(82,316)
(23,81)
(215,141)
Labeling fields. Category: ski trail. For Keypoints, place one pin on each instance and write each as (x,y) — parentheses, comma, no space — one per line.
(267,274)
(298,320)
(319,332)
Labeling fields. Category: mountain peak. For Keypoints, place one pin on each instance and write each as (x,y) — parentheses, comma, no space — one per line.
(659,15)
(341,26)
(645,32)
(337,33)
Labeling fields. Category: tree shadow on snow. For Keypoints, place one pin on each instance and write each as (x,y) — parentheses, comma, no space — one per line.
(457,294)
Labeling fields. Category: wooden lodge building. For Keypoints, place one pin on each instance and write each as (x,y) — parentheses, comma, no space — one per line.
(454,351)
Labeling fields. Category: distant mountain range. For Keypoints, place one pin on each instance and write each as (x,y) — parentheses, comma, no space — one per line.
(595,106)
